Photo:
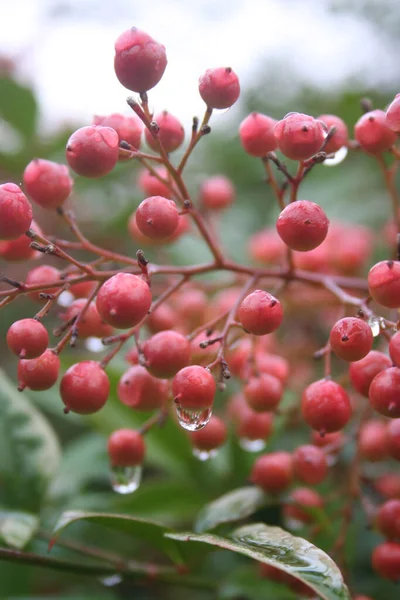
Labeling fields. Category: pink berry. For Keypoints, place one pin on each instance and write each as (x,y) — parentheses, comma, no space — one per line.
(47,183)
(171,133)
(325,406)
(15,212)
(43,276)
(310,464)
(260,313)
(384,392)
(273,472)
(217,193)
(27,338)
(126,448)
(90,325)
(93,151)
(256,133)
(302,225)
(299,136)
(341,136)
(363,371)
(140,390)
(267,247)
(123,300)
(194,388)
(393,115)
(157,217)
(373,134)
(152,186)
(384,283)
(351,339)
(299,500)
(129,129)
(166,353)
(263,393)
(373,440)
(84,387)
(19,250)
(39,373)
(212,436)
(219,88)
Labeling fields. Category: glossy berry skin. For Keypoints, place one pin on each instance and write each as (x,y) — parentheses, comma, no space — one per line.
(129,129)
(151,186)
(15,212)
(384,393)
(301,499)
(373,440)
(47,183)
(39,373)
(194,388)
(351,339)
(393,438)
(157,218)
(124,300)
(302,225)
(386,560)
(388,519)
(263,393)
(363,371)
(90,324)
(341,136)
(84,387)
(384,283)
(217,193)
(256,133)
(27,338)
(126,448)
(43,275)
(212,436)
(299,136)
(166,353)
(392,118)
(171,133)
(219,88)
(140,390)
(394,348)
(19,250)
(273,472)
(93,151)
(373,134)
(260,313)
(325,406)
(139,61)
(309,464)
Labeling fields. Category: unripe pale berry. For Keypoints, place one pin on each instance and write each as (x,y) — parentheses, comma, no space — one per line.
(388,519)
(302,225)
(394,348)
(256,133)
(325,406)
(171,133)
(386,560)
(310,464)
(384,283)
(84,387)
(351,339)
(341,136)
(124,300)
(140,390)
(19,250)
(157,217)
(299,136)
(90,324)
(363,371)
(217,193)
(152,186)
(373,440)
(219,88)
(384,393)
(39,373)
(15,212)
(263,393)
(299,500)
(392,118)
(43,275)
(129,129)
(373,134)
(393,438)
(273,472)
(92,151)
(194,388)
(260,313)
(126,448)
(166,353)
(47,183)
(210,437)
(139,61)
(27,338)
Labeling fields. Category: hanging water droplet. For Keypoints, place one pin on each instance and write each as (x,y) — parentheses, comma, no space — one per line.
(339,157)
(251,445)
(111,580)
(191,419)
(375,324)
(204,455)
(94,344)
(125,480)
(65,299)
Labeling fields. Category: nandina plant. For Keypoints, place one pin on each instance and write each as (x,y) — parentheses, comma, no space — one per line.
(281,373)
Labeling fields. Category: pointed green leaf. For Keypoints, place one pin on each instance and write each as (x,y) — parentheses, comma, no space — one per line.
(17,528)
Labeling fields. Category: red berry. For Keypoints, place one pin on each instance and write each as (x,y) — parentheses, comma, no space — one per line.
(260,313)
(263,393)
(273,472)
(43,276)
(310,464)
(386,560)
(273,365)
(384,283)
(299,136)
(388,519)
(82,289)
(123,300)
(388,485)
(157,217)
(217,193)
(126,448)
(267,247)
(139,61)
(15,212)
(351,339)
(394,348)
(166,353)
(325,406)
(162,318)
(90,324)
(384,392)
(302,225)
(219,88)
(194,388)
(47,183)
(327,439)
(256,133)
(92,151)
(27,338)
(152,186)
(372,132)
(299,500)
(129,129)
(191,305)
(341,136)
(39,373)
(393,438)
(171,133)
(392,118)
(251,425)
(84,387)
(20,249)
(373,442)
(140,390)
(363,597)
(210,437)
(363,371)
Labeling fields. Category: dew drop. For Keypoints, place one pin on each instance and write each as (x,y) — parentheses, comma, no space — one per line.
(111,580)
(375,323)
(293,524)
(125,480)
(251,445)
(339,157)
(65,299)
(204,455)
(191,419)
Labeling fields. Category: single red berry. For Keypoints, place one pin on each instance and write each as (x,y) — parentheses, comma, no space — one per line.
(392,118)
(219,88)
(373,440)
(351,339)
(273,364)
(335,438)
(210,437)
(152,186)
(191,305)
(363,371)
(325,406)
(43,276)
(162,318)
(263,393)
(123,300)
(386,560)
(388,485)
(393,438)
(384,283)
(171,133)
(126,448)
(84,387)
(27,338)
(140,390)
(15,212)
(82,289)
(217,193)
(394,348)
(267,247)
(256,133)
(157,217)
(19,250)
(299,136)
(92,151)
(139,61)
(372,132)
(194,388)
(300,500)
(388,519)
(39,373)
(310,464)
(341,136)
(251,425)
(166,353)
(273,472)
(384,392)
(129,129)
(91,324)
(302,225)
(47,183)
(260,313)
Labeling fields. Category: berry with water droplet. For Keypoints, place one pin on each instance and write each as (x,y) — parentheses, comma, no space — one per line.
(263,393)
(27,338)
(299,136)
(341,136)
(210,437)
(126,448)
(194,387)
(123,300)
(84,387)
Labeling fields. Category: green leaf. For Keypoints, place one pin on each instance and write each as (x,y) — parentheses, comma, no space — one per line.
(29,450)
(17,528)
(233,506)
(18,106)
(280,549)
